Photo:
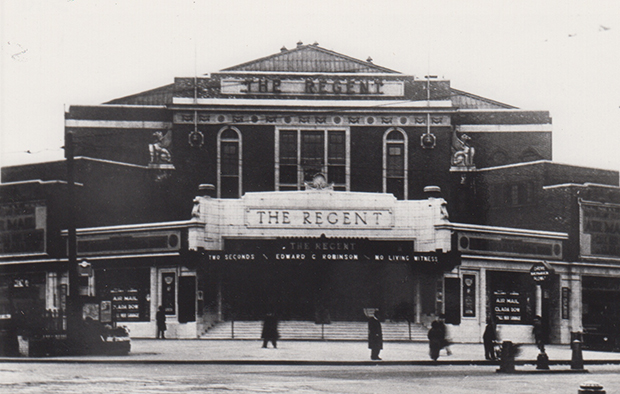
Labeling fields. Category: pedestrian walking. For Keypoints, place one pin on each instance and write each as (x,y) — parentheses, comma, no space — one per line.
(445,342)
(270,331)
(160,317)
(375,336)
(435,339)
(489,337)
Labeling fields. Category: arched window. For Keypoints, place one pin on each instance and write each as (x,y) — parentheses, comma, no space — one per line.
(395,163)
(229,163)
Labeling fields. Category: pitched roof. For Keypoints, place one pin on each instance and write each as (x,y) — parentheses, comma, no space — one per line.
(465,100)
(310,58)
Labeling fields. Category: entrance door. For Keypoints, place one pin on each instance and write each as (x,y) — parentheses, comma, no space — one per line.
(453,300)
(187,299)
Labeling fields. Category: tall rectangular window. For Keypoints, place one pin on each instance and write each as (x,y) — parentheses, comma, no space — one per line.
(302,154)
(336,157)
(230,159)
(312,154)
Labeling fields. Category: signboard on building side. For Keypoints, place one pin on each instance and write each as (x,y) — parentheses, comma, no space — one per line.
(599,229)
(23,228)
(540,272)
(129,242)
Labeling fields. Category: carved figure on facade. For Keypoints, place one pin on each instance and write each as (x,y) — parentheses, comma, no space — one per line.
(319,182)
(462,152)
(196,209)
(159,148)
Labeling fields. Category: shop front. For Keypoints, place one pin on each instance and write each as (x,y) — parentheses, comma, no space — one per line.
(129,271)
(510,276)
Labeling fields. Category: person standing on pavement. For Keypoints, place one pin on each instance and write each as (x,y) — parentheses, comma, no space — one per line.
(435,339)
(160,317)
(270,331)
(375,336)
(489,337)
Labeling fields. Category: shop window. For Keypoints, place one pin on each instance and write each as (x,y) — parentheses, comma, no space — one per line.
(302,154)
(601,306)
(128,290)
(229,163)
(511,297)
(395,159)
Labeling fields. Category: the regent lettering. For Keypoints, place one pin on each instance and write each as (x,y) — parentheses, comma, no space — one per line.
(295,218)
(318,86)
(311,86)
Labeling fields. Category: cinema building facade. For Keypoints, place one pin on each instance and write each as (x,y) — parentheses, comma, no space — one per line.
(309,184)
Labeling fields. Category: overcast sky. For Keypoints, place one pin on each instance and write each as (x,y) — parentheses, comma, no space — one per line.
(560,56)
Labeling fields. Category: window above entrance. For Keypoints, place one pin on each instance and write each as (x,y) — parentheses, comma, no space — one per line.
(302,154)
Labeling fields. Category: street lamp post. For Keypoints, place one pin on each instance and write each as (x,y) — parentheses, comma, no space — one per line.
(73,297)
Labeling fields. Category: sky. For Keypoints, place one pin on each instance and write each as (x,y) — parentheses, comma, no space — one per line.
(558,56)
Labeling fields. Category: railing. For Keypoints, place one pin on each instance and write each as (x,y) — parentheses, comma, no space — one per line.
(48,323)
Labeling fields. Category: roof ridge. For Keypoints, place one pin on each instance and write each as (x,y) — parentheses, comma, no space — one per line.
(315,47)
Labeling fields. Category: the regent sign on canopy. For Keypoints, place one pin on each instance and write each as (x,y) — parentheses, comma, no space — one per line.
(311,218)
(345,86)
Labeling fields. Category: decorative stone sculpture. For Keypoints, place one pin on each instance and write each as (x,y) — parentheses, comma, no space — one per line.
(462,153)
(159,148)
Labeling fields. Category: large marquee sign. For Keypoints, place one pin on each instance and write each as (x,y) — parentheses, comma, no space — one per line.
(332,249)
(599,229)
(22,228)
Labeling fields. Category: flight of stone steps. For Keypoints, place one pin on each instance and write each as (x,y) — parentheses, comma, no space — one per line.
(305,330)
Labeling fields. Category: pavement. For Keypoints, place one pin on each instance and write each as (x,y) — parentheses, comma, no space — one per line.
(200,351)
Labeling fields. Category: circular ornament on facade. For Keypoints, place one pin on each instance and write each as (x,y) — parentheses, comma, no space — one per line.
(370,120)
(254,118)
(221,118)
(557,249)
(464,242)
(196,139)
(173,240)
(287,119)
(337,120)
(428,141)
(403,120)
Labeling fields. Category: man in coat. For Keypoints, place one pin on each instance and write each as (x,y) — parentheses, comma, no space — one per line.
(160,317)
(270,330)
(375,336)
(489,337)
